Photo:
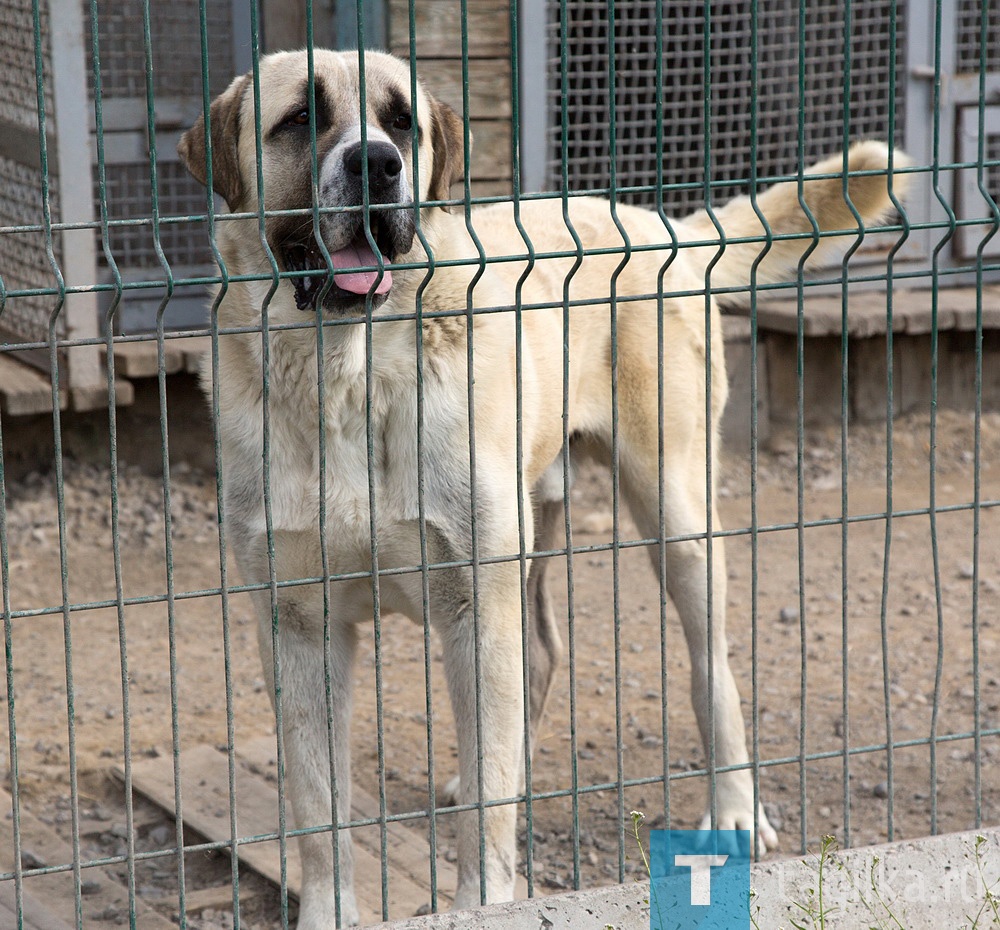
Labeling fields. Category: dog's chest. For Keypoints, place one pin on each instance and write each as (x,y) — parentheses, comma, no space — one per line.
(370,451)
(366,461)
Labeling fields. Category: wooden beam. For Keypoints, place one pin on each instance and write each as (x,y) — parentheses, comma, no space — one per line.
(205,776)
(56,889)
(33,914)
(24,390)
(141,359)
(489,85)
(439,28)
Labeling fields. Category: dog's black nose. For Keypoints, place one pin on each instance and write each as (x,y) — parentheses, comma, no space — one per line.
(384,166)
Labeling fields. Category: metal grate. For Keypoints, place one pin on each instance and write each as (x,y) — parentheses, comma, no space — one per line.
(584,141)
(970,57)
(17,52)
(23,261)
(130,198)
(175,49)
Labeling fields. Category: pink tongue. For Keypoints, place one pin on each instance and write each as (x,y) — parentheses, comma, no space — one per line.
(358,255)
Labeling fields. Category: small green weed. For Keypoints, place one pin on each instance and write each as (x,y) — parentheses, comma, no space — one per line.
(874,911)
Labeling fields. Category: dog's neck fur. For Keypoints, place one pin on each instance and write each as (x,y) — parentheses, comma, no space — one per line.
(393,349)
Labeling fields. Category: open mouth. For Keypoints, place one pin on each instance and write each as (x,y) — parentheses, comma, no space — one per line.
(355,269)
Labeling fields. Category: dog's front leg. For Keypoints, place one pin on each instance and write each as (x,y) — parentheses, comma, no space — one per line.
(310,737)
(498,692)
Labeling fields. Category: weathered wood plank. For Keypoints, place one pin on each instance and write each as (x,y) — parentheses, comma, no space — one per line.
(215,897)
(24,390)
(490,150)
(141,360)
(95,396)
(106,894)
(195,348)
(439,28)
(204,772)
(34,914)
(489,85)
(408,853)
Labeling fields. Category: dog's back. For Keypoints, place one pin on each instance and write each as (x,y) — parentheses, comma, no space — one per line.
(587,227)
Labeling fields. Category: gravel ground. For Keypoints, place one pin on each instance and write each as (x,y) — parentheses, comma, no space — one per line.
(795,609)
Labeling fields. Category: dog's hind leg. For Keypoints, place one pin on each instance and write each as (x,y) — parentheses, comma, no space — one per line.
(544,642)
(695,568)
(714,694)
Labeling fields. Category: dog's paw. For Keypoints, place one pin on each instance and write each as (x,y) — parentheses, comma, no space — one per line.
(741,818)
(319,912)
(448,795)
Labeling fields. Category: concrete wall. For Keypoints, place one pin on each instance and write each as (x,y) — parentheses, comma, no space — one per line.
(929,884)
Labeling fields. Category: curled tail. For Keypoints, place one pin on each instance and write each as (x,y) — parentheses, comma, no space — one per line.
(824,197)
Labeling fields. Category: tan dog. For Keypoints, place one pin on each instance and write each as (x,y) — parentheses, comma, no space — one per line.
(468,504)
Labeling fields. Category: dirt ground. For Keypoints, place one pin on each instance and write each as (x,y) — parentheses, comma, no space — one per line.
(800,640)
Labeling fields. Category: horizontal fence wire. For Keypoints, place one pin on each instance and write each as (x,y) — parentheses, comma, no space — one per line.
(564,786)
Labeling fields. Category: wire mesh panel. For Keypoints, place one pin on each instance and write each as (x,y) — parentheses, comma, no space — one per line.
(176,78)
(22,254)
(972,56)
(174,46)
(23,261)
(581,29)
(202,662)
(175,72)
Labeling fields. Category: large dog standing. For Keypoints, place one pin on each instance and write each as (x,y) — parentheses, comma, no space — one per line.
(469,503)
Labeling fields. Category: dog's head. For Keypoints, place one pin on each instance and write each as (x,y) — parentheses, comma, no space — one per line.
(345,161)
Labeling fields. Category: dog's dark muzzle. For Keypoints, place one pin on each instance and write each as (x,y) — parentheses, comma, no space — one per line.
(360,253)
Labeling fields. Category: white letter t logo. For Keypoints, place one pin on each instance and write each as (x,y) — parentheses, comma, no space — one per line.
(701,875)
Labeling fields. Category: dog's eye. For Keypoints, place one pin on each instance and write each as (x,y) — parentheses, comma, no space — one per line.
(403,122)
(300,118)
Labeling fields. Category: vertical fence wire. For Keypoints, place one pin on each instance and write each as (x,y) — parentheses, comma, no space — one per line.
(567,470)
(888,527)
(991,204)
(845,463)
(936,253)
(220,497)
(321,453)
(10,694)
(418,327)
(710,604)
(473,471)
(800,407)
(266,438)
(109,324)
(161,382)
(58,460)
(369,324)
(661,503)
(523,494)
(754,528)
(6,609)
(221,513)
(845,460)
(615,438)
(890,407)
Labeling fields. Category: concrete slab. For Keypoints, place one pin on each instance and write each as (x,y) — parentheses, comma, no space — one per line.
(927,884)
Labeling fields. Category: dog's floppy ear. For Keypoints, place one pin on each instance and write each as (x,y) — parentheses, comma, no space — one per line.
(447,147)
(225,118)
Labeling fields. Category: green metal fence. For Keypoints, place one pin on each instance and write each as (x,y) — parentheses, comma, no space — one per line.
(73,294)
